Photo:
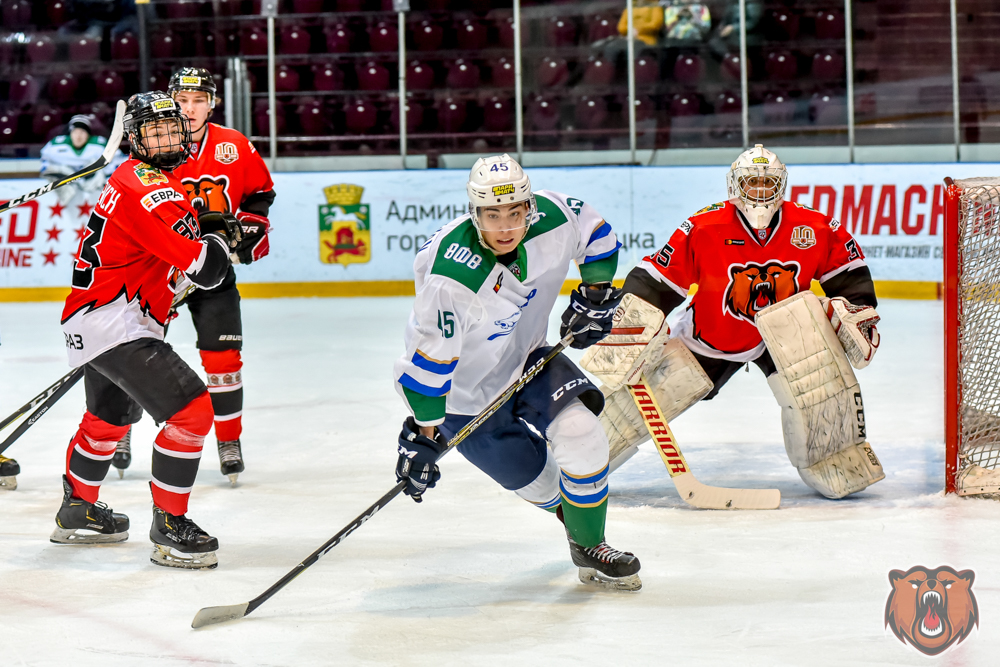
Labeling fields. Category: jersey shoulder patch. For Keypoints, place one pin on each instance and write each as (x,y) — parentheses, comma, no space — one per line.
(461,257)
(550,216)
(149,175)
(718,206)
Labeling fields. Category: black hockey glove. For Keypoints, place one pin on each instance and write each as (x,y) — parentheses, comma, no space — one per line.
(254,244)
(224,224)
(589,313)
(418,457)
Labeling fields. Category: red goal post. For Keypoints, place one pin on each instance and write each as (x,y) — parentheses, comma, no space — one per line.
(971,328)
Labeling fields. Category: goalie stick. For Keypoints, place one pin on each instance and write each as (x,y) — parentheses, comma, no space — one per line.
(114,141)
(690,489)
(211,615)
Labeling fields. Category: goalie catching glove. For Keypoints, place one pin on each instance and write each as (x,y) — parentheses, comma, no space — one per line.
(255,244)
(855,328)
(589,313)
(418,456)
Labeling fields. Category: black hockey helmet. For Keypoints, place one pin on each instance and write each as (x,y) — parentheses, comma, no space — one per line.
(193,78)
(148,109)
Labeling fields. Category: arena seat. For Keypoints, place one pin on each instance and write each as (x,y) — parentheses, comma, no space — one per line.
(498,114)
(601,27)
(292,40)
(462,74)
(338,38)
(689,68)
(327,78)
(428,35)
(229,7)
(16,14)
(685,104)
(591,112)
(261,118)
(543,113)
(62,87)
(254,42)
(552,72)
(41,48)
(471,34)
(360,116)
(505,28)
(502,72)
(784,24)
(647,70)
(164,44)
(598,71)
(731,67)
(778,108)
(728,102)
(182,9)
(286,79)
(57,12)
(373,75)
(307,6)
(313,118)
(44,120)
(24,90)
(125,46)
(645,108)
(8,127)
(781,65)
(419,76)
(383,37)
(828,65)
(350,5)
(561,31)
(827,108)
(414,115)
(452,112)
(110,84)
(830,24)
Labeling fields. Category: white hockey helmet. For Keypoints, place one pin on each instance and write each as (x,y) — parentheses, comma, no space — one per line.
(757,185)
(498,180)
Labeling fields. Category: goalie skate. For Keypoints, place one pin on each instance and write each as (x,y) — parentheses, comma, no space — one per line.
(179,542)
(605,567)
(9,469)
(100,524)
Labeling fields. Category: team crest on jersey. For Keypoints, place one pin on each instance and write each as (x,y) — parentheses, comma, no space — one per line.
(803,237)
(208,193)
(713,207)
(148,175)
(226,152)
(344,226)
(753,287)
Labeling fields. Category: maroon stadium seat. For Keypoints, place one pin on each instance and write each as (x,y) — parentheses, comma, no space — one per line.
(498,114)
(307,6)
(462,74)
(689,68)
(419,76)
(647,71)
(598,71)
(16,14)
(552,72)
(830,24)
(254,42)
(360,116)
(125,46)
(543,113)
(164,44)
(601,27)
(784,24)
(261,117)
(827,65)
(229,7)
(781,65)
(338,38)
(8,127)
(645,107)
(313,118)
(428,36)
(826,108)
(373,76)
(414,116)
(44,120)
(383,37)
(731,67)
(591,112)
(505,26)
(41,48)
(451,114)
(24,90)
(327,77)
(292,39)
(502,71)
(561,31)
(349,5)
(728,102)
(62,87)
(685,104)
(83,48)
(110,84)
(779,109)
(286,79)
(470,34)
(57,12)
(182,9)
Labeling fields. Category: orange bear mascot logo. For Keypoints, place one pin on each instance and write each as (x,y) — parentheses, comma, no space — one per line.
(754,287)
(931,609)
(208,194)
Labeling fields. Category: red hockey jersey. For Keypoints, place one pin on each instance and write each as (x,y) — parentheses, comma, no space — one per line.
(141,227)
(223,171)
(740,271)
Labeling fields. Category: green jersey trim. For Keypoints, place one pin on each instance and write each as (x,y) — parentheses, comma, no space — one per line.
(462,258)
(550,216)
(601,271)
(426,408)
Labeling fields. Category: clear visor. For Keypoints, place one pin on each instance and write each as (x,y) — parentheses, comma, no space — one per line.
(503,218)
(759,186)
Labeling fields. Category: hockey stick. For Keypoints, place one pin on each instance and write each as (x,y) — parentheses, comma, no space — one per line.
(211,615)
(690,489)
(47,399)
(114,141)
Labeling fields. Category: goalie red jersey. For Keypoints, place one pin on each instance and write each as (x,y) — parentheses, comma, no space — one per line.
(224,171)
(740,271)
(141,227)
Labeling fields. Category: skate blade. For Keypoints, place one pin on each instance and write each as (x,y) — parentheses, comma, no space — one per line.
(9,482)
(592,577)
(169,557)
(71,536)
(121,473)
(232,478)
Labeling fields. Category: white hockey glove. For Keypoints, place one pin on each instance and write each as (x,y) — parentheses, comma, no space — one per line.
(855,327)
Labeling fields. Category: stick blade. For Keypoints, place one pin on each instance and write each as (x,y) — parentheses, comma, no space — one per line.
(703,496)
(213,615)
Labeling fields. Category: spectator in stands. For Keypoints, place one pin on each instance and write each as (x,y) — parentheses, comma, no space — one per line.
(688,21)
(727,34)
(93,17)
(647,21)
(71,152)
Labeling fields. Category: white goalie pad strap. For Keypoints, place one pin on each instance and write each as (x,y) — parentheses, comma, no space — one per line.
(848,471)
(855,328)
(821,408)
(635,342)
(677,383)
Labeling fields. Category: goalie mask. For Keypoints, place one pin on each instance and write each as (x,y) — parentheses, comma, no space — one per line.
(757,185)
(497,181)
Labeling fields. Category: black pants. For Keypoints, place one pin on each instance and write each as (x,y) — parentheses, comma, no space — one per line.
(216,315)
(719,371)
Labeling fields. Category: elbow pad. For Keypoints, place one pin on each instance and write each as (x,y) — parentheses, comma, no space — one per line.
(212,264)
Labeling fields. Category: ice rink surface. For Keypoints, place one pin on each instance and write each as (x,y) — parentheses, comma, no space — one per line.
(475,576)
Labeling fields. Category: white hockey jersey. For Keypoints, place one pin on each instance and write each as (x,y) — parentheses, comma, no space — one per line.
(475,320)
(60,158)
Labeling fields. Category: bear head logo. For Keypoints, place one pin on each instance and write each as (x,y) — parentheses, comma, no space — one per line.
(753,287)
(931,609)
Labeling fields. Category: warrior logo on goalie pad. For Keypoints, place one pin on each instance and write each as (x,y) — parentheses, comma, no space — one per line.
(753,287)
(931,609)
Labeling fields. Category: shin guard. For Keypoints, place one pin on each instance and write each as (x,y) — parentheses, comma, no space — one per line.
(177,453)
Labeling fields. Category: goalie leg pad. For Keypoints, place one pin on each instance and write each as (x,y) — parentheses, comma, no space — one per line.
(677,383)
(822,413)
(846,472)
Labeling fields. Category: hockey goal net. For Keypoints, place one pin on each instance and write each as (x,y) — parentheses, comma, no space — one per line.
(972,325)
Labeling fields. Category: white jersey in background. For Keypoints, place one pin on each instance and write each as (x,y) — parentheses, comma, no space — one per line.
(60,158)
(475,321)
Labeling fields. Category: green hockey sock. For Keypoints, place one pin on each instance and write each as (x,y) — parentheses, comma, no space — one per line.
(585,524)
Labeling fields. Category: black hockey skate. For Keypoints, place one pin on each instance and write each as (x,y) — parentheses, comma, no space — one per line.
(8,473)
(179,542)
(606,567)
(101,523)
(123,454)
(231,459)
